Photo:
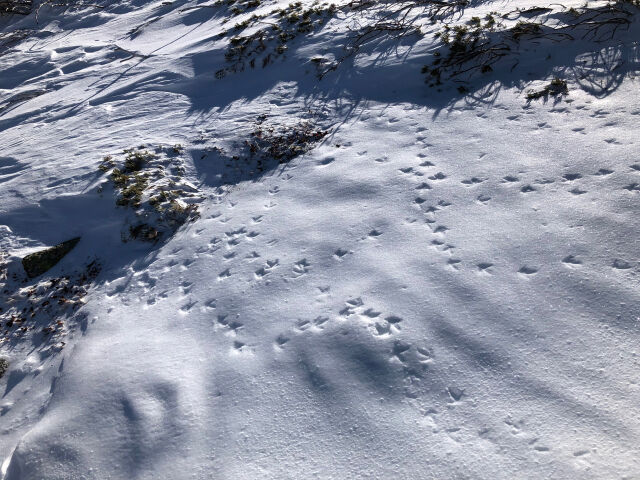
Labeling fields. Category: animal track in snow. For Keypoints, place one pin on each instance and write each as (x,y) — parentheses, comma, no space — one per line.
(316,324)
(382,329)
(234,236)
(351,306)
(389,325)
(301,267)
(229,326)
(224,274)
(266,268)
(527,189)
(527,270)
(371,313)
(411,362)
(621,264)
(399,349)
(146,281)
(393,320)
(541,448)
(424,355)
(455,393)
(379,328)
(325,161)
(484,267)
(543,181)
(448,248)
(185,287)
(235,233)
(438,176)
(571,260)
(570,177)
(188,306)
(211,304)
(454,263)
(319,321)
(472,181)
(281,340)
(429,209)
(303,325)
(415,363)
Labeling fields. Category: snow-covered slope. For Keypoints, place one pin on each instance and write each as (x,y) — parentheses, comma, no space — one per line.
(439,283)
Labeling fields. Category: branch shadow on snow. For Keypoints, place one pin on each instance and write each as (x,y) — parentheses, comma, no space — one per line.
(385,67)
(389,69)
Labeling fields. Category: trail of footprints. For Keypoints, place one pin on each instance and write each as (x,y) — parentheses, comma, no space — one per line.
(439,241)
(430,210)
(228,248)
(414,360)
(381,326)
(378,324)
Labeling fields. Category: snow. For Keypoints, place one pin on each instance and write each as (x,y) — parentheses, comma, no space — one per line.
(445,286)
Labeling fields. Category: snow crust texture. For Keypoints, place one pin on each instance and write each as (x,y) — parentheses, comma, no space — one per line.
(370,277)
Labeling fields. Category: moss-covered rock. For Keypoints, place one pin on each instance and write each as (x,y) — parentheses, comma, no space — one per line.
(37,263)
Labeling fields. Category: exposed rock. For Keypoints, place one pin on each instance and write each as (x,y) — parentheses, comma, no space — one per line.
(37,263)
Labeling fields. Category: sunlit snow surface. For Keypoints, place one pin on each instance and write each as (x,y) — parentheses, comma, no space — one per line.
(445,287)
